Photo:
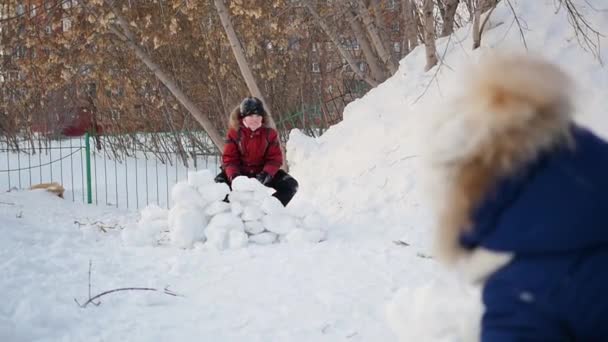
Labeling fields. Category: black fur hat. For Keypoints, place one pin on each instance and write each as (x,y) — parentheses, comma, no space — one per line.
(251,105)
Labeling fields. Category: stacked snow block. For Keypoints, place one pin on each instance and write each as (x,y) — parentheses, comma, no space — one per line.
(200,214)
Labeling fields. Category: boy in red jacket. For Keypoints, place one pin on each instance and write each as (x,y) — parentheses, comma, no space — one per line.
(252,149)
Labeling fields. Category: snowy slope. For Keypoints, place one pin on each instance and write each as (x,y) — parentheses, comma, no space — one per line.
(365,172)
(363,175)
(367,164)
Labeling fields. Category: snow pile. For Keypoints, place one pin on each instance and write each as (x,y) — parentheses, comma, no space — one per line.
(200,215)
(367,170)
(439,311)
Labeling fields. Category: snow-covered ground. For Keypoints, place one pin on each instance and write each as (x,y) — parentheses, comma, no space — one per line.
(372,278)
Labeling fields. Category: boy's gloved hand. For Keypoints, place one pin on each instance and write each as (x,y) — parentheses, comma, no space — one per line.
(263,177)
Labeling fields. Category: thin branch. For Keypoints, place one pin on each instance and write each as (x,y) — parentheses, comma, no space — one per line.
(165,291)
(581,28)
(441,63)
(523,37)
(92,299)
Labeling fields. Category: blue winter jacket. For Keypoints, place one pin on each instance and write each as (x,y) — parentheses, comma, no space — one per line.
(558,204)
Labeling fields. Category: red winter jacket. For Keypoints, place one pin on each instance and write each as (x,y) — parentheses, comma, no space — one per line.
(250,152)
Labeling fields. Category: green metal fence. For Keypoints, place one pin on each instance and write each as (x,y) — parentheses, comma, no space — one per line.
(121,171)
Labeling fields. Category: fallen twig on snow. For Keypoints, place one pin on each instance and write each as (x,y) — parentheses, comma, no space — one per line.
(401,243)
(92,299)
(99,224)
(424,256)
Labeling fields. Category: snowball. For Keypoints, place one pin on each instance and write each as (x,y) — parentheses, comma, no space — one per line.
(200,178)
(236,208)
(261,194)
(252,213)
(313,221)
(187,227)
(227,221)
(301,235)
(145,233)
(154,212)
(271,205)
(278,223)
(254,227)
(217,237)
(184,193)
(245,184)
(240,196)
(214,192)
(300,209)
(265,238)
(237,239)
(217,207)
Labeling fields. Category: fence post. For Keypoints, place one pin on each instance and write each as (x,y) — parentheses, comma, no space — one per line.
(88,161)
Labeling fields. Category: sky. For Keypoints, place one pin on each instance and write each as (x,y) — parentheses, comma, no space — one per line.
(350,259)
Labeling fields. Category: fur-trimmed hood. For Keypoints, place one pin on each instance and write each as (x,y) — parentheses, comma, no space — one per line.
(512,108)
(235,120)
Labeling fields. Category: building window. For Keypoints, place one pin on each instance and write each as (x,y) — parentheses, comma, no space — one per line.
(316,68)
(34,10)
(91,89)
(20,51)
(67,4)
(115,114)
(397,47)
(395,26)
(20,9)
(67,24)
(315,47)
(392,4)
(48,29)
(362,66)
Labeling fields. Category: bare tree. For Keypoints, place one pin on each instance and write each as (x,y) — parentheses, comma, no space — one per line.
(587,36)
(239,53)
(374,35)
(127,36)
(448,11)
(333,36)
(429,34)
(370,57)
(482,8)
(410,37)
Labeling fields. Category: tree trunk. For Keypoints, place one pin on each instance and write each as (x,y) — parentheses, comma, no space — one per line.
(381,27)
(410,40)
(429,35)
(239,54)
(128,38)
(476,25)
(481,7)
(372,60)
(384,54)
(449,12)
(333,36)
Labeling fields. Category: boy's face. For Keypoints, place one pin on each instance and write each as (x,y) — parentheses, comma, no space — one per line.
(253,121)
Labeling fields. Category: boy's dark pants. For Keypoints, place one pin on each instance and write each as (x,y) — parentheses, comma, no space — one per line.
(285,185)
